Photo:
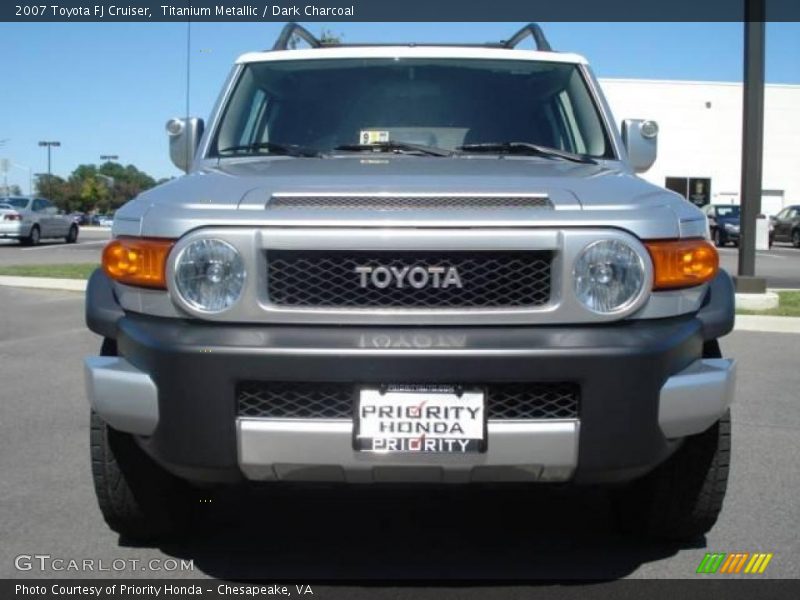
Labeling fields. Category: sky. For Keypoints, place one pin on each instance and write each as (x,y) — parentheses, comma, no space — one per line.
(108,88)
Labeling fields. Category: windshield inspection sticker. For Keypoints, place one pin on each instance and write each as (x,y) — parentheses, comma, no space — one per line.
(373,136)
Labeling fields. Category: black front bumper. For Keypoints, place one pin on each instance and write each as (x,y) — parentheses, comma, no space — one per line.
(620,368)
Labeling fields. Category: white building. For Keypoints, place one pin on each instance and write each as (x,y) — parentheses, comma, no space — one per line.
(700,137)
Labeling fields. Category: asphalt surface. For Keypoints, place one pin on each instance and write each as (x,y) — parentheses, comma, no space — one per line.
(780,265)
(47,504)
(87,250)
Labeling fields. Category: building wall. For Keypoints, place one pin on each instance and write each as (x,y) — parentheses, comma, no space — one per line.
(700,134)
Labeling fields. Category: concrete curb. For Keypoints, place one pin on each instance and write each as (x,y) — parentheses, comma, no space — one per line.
(765,301)
(44,283)
(767,323)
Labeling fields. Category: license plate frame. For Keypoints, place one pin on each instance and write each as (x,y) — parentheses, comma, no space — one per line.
(416,407)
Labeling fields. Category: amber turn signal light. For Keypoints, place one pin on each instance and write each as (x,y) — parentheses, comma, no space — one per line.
(137,261)
(682,263)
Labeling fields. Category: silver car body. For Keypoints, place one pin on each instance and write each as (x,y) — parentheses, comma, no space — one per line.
(34,212)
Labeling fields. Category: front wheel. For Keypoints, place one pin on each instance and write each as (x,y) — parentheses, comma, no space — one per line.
(72,235)
(718,239)
(34,237)
(796,238)
(683,497)
(138,499)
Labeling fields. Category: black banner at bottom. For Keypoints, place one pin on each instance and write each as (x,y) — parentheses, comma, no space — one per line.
(687,589)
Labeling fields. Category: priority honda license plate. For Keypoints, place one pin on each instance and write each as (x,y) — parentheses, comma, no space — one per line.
(420,419)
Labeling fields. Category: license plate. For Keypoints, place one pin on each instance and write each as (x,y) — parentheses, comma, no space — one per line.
(420,419)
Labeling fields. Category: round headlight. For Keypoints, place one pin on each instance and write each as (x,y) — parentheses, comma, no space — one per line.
(609,275)
(209,275)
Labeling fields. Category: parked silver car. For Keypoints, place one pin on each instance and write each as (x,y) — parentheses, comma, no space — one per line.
(32,219)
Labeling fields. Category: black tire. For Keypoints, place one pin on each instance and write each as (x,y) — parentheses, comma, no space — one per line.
(796,238)
(138,499)
(682,498)
(718,239)
(72,235)
(34,237)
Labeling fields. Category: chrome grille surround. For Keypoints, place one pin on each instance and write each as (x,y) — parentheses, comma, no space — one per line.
(255,242)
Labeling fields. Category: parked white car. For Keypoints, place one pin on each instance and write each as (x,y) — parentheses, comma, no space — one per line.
(105,221)
(32,219)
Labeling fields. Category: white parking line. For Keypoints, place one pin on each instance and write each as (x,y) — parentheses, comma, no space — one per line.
(764,254)
(54,246)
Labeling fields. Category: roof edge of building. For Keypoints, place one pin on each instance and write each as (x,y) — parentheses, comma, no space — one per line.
(691,82)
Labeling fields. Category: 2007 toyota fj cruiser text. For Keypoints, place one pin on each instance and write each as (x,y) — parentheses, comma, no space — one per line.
(411,264)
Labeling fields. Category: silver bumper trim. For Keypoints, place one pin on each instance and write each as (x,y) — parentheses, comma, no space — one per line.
(122,395)
(323,451)
(692,400)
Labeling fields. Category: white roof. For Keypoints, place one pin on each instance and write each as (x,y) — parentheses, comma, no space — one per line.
(410,51)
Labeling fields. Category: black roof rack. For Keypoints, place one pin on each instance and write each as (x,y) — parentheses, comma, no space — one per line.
(295,29)
(531,30)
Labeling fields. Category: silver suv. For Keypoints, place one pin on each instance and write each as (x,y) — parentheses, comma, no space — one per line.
(414,264)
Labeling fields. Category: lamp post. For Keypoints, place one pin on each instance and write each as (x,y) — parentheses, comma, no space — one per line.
(49,145)
(109,157)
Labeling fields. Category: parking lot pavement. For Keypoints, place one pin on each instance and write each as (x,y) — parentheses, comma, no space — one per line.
(47,504)
(780,264)
(87,250)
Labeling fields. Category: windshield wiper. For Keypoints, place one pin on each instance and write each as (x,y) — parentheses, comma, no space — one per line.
(526,148)
(271,148)
(392,146)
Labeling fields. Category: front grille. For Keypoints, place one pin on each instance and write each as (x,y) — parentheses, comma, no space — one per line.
(489,279)
(393,203)
(505,401)
(509,401)
(290,400)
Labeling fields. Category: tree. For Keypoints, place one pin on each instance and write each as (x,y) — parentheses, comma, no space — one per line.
(91,188)
(328,38)
(54,188)
(11,190)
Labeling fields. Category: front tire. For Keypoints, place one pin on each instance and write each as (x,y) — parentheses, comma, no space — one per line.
(682,498)
(72,235)
(138,499)
(796,238)
(34,237)
(718,239)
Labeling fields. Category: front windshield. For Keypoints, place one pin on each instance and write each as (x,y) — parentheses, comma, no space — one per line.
(446,103)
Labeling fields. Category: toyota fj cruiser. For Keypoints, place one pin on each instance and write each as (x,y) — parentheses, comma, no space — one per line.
(414,264)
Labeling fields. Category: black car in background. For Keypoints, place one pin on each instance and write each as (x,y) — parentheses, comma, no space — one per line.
(723,220)
(786,226)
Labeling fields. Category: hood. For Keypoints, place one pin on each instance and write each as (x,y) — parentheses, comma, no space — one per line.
(238,192)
